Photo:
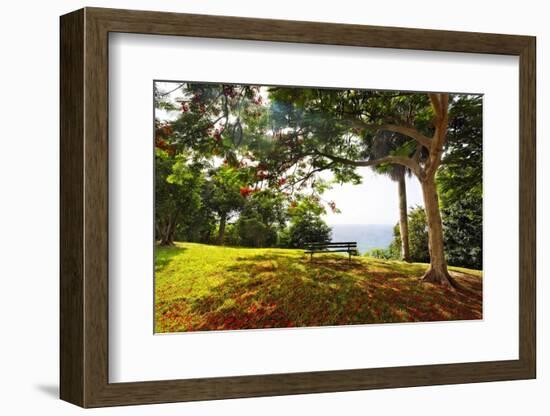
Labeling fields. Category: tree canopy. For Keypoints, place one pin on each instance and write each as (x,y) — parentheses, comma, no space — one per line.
(253,157)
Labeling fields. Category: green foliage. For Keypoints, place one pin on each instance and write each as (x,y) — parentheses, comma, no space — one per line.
(381,253)
(460,184)
(164,105)
(308,229)
(461,172)
(268,206)
(463,234)
(231,237)
(405,149)
(394,249)
(177,193)
(418,237)
(261,215)
(224,188)
(463,231)
(392,252)
(306,224)
(254,233)
(311,123)
(238,159)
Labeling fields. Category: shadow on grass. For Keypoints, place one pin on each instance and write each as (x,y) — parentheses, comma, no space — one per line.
(275,290)
(165,254)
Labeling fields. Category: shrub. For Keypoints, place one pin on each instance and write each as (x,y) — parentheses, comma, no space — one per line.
(381,253)
(254,233)
(463,231)
(418,236)
(308,229)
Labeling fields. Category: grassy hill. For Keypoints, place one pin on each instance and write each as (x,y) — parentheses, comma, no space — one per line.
(203,287)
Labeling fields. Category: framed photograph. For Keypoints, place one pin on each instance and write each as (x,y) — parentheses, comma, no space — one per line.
(255,207)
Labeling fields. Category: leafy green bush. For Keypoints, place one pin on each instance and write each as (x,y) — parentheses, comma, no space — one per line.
(306,225)
(463,230)
(307,230)
(231,237)
(254,233)
(381,253)
(418,236)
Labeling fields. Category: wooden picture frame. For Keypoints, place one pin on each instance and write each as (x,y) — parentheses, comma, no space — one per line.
(84,207)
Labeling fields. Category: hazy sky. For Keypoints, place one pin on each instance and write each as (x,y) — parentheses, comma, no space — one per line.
(374,201)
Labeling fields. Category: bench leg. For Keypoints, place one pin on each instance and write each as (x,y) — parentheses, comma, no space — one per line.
(349,254)
(311,257)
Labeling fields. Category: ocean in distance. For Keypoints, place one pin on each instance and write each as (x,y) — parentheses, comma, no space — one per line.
(367,236)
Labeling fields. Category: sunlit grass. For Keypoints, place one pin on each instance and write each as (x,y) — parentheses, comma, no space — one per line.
(202,287)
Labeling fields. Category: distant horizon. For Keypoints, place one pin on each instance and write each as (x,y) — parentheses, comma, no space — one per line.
(373,201)
(367,236)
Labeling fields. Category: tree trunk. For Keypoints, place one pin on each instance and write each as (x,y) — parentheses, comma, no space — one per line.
(166,232)
(221,231)
(437,272)
(403,219)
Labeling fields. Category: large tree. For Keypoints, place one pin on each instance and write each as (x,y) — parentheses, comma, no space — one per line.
(301,132)
(425,171)
(226,196)
(209,126)
(326,129)
(177,188)
(386,142)
(306,223)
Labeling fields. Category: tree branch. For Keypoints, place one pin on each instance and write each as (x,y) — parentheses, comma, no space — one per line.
(436,104)
(164,94)
(440,103)
(397,160)
(406,131)
(409,132)
(308,175)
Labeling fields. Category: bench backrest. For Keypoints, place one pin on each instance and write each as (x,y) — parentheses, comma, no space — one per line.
(320,246)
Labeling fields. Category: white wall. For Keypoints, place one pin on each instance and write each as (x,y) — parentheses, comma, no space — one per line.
(29,209)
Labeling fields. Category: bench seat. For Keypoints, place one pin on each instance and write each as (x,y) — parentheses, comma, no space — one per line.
(349,247)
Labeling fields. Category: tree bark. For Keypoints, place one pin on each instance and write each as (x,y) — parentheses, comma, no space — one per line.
(221,230)
(437,272)
(403,218)
(166,232)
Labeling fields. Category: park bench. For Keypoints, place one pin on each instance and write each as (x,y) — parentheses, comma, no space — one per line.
(349,247)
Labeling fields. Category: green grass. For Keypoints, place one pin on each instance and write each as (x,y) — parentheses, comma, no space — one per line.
(203,287)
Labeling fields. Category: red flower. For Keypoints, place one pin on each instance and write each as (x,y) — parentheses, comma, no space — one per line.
(281,181)
(161,144)
(245,191)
